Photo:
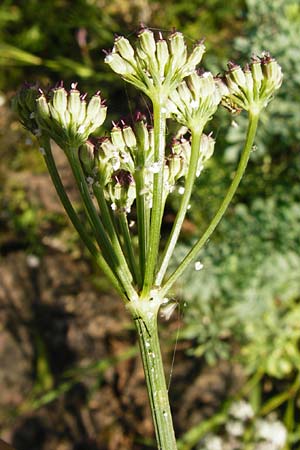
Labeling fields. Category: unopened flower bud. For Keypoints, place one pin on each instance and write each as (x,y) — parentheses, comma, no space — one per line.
(59,102)
(178,51)
(117,138)
(162,56)
(121,190)
(195,57)
(147,42)
(177,44)
(43,112)
(272,71)
(207,146)
(185,94)
(74,103)
(118,64)
(24,104)
(129,137)
(142,135)
(93,109)
(257,73)
(125,49)
(87,157)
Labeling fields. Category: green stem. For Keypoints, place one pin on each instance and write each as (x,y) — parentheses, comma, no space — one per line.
(253,121)
(189,184)
(143,215)
(157,202)
(100,233)
(144,313)
(100,261)
(110,227)
(129,248)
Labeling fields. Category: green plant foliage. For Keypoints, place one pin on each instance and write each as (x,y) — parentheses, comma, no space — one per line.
(250,278)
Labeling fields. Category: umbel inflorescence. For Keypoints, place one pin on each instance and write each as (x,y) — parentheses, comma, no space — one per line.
(129,172)
(131,167)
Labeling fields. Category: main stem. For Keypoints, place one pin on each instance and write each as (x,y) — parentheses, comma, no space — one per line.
(159,118)
(144,313)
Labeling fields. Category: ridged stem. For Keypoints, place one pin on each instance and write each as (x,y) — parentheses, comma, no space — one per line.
(83,233)
(189,183)
(159,119)
(135,269)
(109,253)
(144,313)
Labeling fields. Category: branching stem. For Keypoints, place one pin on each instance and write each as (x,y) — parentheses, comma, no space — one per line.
(252,126)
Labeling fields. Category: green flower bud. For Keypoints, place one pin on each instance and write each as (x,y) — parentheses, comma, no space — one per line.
(93,109)
(178,51)
(142,135)
(42,110)
(125,49)
(59,102)
(147,42)
(195,58)
(177,44)
(184,94)
(87,157)
(108,148)
(249,82)
(272,72)
(24,104)
(121,191)
(162,56)
(237,75)
(117,138)
(82,112)
(104,152)
(176,168)
(207,146)
(118,64)
(257,73)
(74,103)
(129,137)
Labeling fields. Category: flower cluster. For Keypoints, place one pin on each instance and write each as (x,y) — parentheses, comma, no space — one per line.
(253,87)
(66,117)
(267,433)
(115,162)
(161,63)
(195,100)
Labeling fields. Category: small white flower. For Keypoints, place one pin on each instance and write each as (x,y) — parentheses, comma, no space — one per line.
(235,428)
(241,410)
(33,261)
(273,432)
(212,442)
(198,265)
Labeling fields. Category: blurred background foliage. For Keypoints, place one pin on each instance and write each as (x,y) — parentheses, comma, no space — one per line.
(245,303)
